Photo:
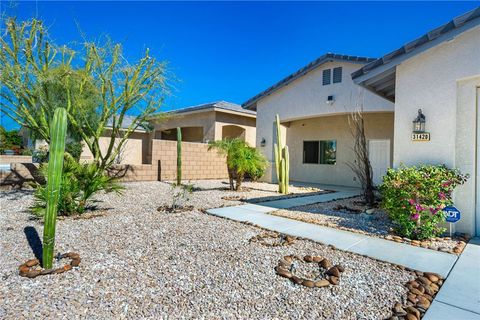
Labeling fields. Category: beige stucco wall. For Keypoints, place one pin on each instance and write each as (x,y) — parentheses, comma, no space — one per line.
(198,119)
(377,126)
(442,82)
(212,123)
(133,150)
(246,123)
(306,98)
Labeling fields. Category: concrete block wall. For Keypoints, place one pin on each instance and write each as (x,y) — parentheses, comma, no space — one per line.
(4,159)
(20,174)
(197,161)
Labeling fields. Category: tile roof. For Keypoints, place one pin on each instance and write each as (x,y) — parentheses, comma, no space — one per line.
(419,42)
(217,105)
(249,104)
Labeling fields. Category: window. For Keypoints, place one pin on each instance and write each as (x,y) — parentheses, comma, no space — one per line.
(310,151)
(320,152)
(326,76)
(337,75)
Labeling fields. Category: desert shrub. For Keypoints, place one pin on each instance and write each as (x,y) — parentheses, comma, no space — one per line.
(75,149)
(40,155)
(80,181)
(415,196)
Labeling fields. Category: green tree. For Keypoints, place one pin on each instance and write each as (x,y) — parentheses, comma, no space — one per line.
(10,139)
(36,76)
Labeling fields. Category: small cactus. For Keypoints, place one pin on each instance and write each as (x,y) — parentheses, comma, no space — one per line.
(179,156)
(58,132)
(282,161)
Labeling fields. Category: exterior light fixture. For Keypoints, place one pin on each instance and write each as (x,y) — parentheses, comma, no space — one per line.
(263,142)
(330,100)
(419,122)
(419,133)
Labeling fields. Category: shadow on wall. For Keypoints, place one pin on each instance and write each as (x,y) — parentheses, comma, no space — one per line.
(21,174)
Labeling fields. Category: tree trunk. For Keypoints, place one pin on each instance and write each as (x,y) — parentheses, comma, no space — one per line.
(240,177)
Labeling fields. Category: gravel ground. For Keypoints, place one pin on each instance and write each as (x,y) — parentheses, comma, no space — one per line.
(140,263)
(376,224)
(206,194)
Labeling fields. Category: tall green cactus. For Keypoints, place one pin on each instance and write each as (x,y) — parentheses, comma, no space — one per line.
(58,132)
(179,156)
(282,160)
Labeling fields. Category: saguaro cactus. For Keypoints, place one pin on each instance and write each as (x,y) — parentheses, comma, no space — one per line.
(179,156)
(58,132)
(282,160)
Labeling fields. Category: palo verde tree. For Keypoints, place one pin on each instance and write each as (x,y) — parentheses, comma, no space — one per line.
(37,76)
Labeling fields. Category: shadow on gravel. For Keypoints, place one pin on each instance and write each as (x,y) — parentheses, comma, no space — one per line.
(34,241)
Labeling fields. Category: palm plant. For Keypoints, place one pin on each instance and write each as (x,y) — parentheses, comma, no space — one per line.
(241,160)
(226,147)
(246,160)
(80,181)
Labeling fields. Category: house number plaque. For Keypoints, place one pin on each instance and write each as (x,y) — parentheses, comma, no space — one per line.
(423,136)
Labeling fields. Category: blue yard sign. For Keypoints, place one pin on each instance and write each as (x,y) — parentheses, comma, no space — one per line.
(452,214)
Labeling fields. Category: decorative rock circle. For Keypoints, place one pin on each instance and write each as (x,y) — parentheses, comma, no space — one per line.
(32,268)
(273,239)
(332,273)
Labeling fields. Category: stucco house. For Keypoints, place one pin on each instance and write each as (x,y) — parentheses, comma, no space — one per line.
(438,73)
(207,122)
(314,104)
(436,76)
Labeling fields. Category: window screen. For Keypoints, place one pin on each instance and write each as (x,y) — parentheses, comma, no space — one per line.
(320,152)
(337,75)
(326,77)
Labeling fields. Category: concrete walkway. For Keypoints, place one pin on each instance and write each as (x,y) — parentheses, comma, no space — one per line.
(406,255)
(340,193)
(459,297)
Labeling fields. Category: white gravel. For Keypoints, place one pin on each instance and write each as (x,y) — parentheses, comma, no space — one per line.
(140,263)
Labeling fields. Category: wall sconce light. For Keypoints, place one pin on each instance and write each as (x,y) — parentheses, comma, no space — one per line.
(419,122)
(263,142)
(330,100)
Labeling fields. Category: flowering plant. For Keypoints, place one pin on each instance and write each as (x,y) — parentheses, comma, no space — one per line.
(415,196)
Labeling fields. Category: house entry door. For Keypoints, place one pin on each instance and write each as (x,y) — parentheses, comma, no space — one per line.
(379,154)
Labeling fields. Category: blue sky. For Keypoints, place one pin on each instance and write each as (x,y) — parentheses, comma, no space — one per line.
(233,50)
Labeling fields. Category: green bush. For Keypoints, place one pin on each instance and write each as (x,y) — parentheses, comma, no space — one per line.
(80,181)
(75,149)
(415,196)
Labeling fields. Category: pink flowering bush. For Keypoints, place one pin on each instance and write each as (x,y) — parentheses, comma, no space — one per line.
(415,196)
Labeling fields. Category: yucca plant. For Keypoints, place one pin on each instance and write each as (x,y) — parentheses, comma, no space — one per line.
(58,132)
(179,156)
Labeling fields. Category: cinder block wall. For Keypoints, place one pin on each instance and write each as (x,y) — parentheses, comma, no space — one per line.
(197,161)
(4,159)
